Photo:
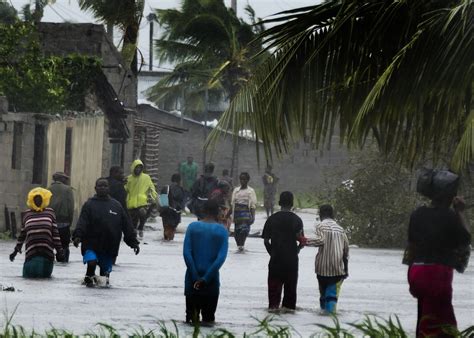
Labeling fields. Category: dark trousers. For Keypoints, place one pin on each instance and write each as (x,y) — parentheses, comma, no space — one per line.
(288,284)
(65,236)
(201,305)
(138,216)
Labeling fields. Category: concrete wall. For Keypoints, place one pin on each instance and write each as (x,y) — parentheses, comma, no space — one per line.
(304,170)
(15,183)
(86,162)
(87,154)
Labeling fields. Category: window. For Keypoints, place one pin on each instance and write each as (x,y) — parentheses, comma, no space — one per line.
(68,152)
(17,145)
(117,154)
(39,154)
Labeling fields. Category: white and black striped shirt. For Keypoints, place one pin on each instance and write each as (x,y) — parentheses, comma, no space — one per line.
(333,248)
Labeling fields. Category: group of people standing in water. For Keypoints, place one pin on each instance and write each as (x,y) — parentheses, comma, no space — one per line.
(438,238)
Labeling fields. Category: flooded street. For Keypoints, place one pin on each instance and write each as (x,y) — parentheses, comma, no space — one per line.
(149,287)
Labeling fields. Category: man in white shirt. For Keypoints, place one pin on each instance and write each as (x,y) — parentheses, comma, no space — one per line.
(331,264)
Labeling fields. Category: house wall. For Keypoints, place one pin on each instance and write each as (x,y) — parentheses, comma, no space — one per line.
(87,154)
(304,170)
(86,162)
(15,183)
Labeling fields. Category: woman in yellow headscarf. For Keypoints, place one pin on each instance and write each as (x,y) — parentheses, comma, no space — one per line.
(40,235)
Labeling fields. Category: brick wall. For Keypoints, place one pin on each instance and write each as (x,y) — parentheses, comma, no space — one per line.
(305,169)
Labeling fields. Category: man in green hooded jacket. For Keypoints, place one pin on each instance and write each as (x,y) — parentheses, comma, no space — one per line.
(140,190)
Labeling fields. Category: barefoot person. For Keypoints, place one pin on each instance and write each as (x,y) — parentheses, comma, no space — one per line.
(438,243)
(331,264)
(244,202)
(40,235)
(204,250)
(281,233)
(99,228)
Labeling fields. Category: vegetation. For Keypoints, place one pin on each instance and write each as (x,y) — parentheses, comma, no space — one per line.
(8,14)
(212,50)
(396,71)
(370,327)
(33,82)
(125,14)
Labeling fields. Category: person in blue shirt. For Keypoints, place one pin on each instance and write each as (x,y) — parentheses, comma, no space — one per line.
(204,251)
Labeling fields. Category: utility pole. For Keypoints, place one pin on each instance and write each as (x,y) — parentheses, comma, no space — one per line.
(151,19)
(233,5)
(206,109)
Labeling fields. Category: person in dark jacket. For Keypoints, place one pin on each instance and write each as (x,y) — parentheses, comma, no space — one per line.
(117,185)
(202,189)
(282,232)
(62,202)
(99,228)
(171,214)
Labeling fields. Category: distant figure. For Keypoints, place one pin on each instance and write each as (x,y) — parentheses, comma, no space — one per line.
(116,181)
(222,195)
(226,177)
(140,193)
(244,203)
(438,242)
(188,171)
(202,189)
(269,190)
(332,260)
(281,233)
(62,202)
(99,228)
(40,235)
(204,250)
(171,214)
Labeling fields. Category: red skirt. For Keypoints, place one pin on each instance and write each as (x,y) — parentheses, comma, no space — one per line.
(432,286)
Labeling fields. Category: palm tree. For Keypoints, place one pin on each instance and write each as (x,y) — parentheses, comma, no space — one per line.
(127,15)
(398,71)
(8,15)
(213,51)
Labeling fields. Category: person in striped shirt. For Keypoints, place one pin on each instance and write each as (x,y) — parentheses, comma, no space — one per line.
(331,264)
(40,235)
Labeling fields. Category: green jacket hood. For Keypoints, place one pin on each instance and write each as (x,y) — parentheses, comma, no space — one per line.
(134,165)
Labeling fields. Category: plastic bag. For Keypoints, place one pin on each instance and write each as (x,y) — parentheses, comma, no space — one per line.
(437,183)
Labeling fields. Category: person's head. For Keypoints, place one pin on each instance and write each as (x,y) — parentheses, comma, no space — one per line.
(268,169)
(225,172)
(211,209)
(190,160)
(326,211)
(137,167)
(61,177)
(244,178)
(116,172)
(38,199)
(286,200)
(176,178)
(102,187)
(209,168)
(223,186)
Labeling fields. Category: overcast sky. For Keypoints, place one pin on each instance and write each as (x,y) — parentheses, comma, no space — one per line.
(68,10)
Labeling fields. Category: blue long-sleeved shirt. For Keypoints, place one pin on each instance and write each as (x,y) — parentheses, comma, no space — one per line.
(204,250)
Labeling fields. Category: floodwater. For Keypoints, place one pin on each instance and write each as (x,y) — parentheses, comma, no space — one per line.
(149,287)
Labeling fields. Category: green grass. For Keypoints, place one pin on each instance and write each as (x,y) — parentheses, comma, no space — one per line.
(370,326)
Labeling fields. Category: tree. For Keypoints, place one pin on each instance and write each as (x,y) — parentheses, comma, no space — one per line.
(213,51)
(127,15)
(399,71)
(8,14)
